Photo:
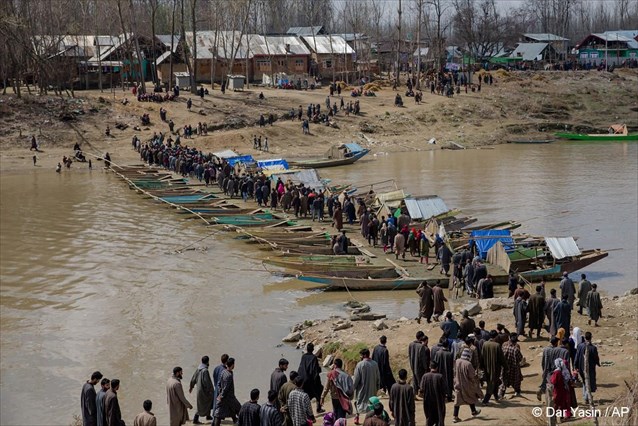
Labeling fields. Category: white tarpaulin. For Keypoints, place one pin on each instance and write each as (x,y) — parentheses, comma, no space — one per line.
(425,207)
(562,247)
(225,154)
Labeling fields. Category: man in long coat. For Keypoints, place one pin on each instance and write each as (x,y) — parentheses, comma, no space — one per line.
(439,300)
(536,308)
(445,360)
(278,377)
(512,375)
(492,359)
(426,302)
(584,287)
(568,290)
(563,313)
(594,305)
(381,356)
(419,357)
(217,372)
(309,371)
(550,354)
(227,404)
(88,400)
(402,405)
(520,314)
(146,417)
(112,405)
(550,304)
(205,390)
(178,405)
(590,366)
(432,389)
(467,390)
(367,381)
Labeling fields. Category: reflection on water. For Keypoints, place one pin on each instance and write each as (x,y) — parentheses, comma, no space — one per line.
(88,281)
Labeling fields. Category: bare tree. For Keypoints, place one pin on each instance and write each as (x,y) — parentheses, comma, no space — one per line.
(436,25)
(399,43)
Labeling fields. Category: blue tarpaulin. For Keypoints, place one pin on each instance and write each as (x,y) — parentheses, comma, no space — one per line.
(276,163)
(486,238)
(241,159)
(353,147)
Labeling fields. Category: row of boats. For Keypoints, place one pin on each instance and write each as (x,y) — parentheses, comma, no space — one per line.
(299,249)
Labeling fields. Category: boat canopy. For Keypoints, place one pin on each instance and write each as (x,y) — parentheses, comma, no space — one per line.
(486,238)
(273,164)
(225,154)
(562,247)
(353,147)
(240,159)
(309,177)
(618,129)
(425,207)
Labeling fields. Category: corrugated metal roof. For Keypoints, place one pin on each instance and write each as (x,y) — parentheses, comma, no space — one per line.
(309,177)
(328,44)
(225,154)
(397,195)
(624,36)
(301,31)
(276,45)
(166,40)
(424,51)
(425,207)
(225,43)
(545,37)
(529,51)
(562,247)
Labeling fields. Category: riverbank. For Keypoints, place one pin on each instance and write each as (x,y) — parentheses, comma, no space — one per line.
(518,105)
(616,339)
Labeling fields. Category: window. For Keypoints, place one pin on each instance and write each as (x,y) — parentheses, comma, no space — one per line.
(282,62)
(327,63)
(299,65)
(263,64)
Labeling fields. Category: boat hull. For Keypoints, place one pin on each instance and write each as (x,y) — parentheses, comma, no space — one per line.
(329,162)
(362,284)
(597,138)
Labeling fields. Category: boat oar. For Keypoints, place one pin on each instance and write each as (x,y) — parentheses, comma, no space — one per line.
(400,269)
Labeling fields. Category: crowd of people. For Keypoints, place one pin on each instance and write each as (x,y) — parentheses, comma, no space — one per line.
(468,365)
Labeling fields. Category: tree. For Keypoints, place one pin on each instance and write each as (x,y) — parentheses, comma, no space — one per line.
(436,25)
(480,27)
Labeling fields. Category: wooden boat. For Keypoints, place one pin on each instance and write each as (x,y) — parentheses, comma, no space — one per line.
(353,272)
(344,154)
(188,199)
(616,132)
(361,284)
(299,263)
(302,249)
(250,221)
(333,269)
(555,271)
(327,258)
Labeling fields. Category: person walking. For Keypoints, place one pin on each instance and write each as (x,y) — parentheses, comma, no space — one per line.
(146,417)
(426,302)
(341,389)
(584,287)
(587,360)
(227,404)
(298,404)
(217,372)
(367,382)
(278,377)
(381,356)
(594,305)
(309,371)
(568,290)
(419,358)
(492,359)
(178,405)
(467,390)
(205,390)
(88,399)
(536,308)
(402,401)
(282,397)
(269,414)
(512,374)
(432,389)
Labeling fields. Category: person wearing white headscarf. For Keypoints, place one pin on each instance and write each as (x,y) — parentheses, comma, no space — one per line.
(575,339)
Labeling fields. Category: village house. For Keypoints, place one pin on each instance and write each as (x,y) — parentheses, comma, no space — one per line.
(614,47)
(560,44)
(534,54)
(330,54)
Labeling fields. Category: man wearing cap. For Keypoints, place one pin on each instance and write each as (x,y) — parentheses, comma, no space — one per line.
(568,290)
(512,375)
(367,381)
(278,377)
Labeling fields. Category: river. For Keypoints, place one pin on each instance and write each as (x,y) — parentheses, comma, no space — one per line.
(89,279)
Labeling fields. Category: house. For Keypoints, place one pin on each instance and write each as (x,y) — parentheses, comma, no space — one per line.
(329,54)
(534,52)
(255,55)
(614,47)
(306,31)
(164,60)
(560,44)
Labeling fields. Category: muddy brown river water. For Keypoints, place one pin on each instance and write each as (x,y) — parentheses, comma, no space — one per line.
(88,280)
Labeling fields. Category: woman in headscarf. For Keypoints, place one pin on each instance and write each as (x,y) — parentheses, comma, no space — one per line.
(424,248)
(561,380)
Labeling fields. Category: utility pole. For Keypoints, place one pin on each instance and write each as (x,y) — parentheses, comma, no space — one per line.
(398,69)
